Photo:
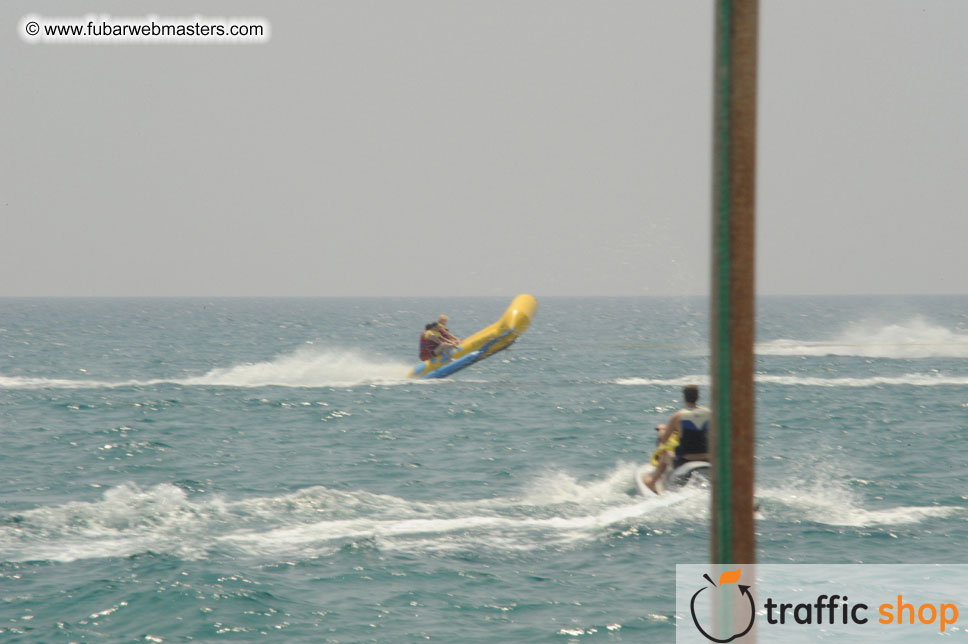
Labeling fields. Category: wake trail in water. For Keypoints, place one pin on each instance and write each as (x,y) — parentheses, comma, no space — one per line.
(834,506)
(555,511)
(305,368)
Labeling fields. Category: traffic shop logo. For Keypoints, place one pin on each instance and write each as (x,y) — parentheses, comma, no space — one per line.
(895,612)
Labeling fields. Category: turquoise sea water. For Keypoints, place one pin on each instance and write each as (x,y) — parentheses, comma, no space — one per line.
(254,469)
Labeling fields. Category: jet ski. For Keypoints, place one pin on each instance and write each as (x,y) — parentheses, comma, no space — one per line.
(673,478)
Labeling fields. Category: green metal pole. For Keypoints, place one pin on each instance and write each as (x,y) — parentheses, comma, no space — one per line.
(733,287)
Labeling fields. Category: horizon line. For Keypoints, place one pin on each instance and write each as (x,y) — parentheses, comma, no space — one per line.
(458,296)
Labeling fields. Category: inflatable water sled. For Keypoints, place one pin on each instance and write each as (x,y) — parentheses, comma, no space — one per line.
(484,343)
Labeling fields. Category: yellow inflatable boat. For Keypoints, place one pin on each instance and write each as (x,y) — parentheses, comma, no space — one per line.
(484,343)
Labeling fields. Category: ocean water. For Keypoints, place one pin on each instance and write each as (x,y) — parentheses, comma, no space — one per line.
(258,469)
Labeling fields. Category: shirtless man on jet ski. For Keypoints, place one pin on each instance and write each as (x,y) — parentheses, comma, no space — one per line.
(691,426)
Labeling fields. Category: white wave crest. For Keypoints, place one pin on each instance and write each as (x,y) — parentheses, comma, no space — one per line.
(681,381)
(21,382)
(916,338)
(911,379)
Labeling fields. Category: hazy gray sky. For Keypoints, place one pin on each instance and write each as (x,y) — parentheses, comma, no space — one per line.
(480,148)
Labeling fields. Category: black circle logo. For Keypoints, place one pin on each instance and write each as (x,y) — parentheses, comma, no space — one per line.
(743,590)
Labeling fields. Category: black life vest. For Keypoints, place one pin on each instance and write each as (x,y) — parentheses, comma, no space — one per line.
(694,435)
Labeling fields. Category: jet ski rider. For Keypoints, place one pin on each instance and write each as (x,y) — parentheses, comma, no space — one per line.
(686,435)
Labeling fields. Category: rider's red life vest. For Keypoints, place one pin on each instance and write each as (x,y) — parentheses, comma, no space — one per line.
(427,346)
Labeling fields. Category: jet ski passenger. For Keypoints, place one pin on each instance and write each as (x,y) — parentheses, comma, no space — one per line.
(686,436)
(432,342)
(429,341)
